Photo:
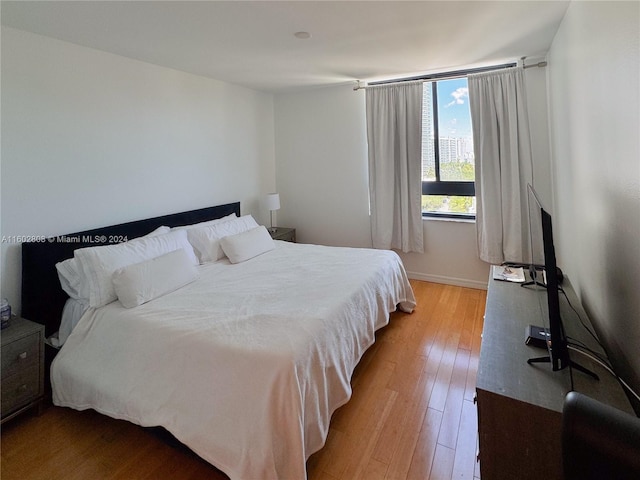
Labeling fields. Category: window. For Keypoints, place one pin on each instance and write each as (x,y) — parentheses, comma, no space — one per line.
(448,167)
(448,163)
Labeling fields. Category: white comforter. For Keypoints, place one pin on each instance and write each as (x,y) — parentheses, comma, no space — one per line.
(247,364)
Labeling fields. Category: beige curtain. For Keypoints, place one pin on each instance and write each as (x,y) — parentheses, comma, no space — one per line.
(502,148)
(394,133)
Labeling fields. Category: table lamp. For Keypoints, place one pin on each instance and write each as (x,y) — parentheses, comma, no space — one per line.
(273,203)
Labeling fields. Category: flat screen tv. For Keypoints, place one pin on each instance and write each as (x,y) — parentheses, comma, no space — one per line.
(543,260)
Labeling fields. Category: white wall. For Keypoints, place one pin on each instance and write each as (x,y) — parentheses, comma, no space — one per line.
(92,139)
(594,74)
(321,166)
(322,176)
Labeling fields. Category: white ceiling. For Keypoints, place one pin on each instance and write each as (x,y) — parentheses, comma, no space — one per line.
(252,43)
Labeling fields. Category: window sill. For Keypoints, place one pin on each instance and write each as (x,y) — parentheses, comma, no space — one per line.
(448,219)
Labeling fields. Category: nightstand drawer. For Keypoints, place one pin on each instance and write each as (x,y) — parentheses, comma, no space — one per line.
(20,389)
(22,367)
(20,354)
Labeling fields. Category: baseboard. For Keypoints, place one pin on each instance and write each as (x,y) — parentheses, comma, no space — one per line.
(458,282)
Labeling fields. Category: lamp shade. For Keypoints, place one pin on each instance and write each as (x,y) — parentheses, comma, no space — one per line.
(273,201)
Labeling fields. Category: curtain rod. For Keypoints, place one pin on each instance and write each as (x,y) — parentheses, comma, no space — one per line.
(442,75)
(450,75)
(539,64)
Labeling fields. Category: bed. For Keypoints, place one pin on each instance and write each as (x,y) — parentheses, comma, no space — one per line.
(245,364)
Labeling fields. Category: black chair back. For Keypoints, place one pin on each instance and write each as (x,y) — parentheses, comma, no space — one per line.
(599,442)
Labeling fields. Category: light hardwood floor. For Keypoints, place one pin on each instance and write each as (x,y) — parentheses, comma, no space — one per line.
(411,415)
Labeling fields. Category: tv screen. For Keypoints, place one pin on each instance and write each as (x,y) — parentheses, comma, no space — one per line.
(543,260)
(544,274)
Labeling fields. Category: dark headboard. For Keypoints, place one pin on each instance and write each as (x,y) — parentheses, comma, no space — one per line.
(42,297)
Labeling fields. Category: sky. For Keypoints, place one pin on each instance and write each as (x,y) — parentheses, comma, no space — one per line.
(453,108)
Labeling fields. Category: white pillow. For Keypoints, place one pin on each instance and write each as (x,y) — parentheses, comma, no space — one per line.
(206,240)
(141,282)
(99,263)
(246,245)
(231,216)
(72,277)
(208,223)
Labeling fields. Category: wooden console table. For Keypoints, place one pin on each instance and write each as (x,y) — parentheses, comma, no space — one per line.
(520,405)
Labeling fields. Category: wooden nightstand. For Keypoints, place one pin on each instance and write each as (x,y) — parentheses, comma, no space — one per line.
(283,233)
(22,367)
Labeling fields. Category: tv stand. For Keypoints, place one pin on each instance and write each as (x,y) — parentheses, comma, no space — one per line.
(519,406)
(571,364)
